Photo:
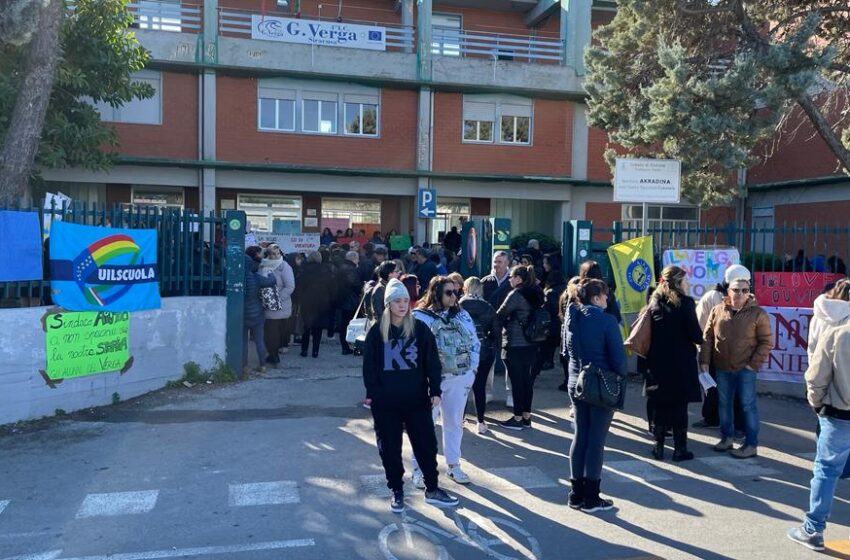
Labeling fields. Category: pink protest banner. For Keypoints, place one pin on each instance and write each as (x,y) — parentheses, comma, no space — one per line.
(705,267)
(791,289)
(788,359)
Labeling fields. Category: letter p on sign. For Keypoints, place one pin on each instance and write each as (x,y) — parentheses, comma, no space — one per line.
(427,203)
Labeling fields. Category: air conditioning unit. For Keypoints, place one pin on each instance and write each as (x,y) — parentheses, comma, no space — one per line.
(283,3)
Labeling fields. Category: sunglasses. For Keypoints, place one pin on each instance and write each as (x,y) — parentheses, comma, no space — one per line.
(740,290)
(451,293)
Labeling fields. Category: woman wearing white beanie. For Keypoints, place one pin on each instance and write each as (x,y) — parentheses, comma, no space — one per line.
(401,372)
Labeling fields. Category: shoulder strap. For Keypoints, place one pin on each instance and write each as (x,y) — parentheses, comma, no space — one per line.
(577,340)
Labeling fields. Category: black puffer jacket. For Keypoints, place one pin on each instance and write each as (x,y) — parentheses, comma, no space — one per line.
(514,314)
(486,323)
(348,286)
(552,296)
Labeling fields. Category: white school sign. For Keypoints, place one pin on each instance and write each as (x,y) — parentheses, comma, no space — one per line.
(314,32)
(647,180)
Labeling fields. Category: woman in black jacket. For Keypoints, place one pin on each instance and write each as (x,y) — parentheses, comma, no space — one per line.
(556,284)
(402,375)
(518,352)
(487,328)
(316,290)
(672,380)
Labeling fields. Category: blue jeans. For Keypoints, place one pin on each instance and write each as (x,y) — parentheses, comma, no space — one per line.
(591,429)
(258,331)
(831,460)
(743,383)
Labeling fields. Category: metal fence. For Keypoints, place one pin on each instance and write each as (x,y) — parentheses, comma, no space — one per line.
(497,46)
(790,247)
(191,254)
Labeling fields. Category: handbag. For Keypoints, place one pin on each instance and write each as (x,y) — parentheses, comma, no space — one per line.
(270,299)
(356,328)
(597,386)
(640,336)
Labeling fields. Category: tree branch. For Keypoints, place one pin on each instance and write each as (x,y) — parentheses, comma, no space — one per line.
(825,130)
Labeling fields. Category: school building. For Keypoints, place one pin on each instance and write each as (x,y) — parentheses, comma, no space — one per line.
(313,113)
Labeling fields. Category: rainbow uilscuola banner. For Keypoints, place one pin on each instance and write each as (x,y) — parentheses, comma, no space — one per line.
(103,269)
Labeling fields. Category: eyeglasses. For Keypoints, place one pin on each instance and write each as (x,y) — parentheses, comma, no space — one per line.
(740,290)
(451,293)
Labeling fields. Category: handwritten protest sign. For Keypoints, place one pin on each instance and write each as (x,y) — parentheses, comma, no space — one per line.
(705,267)
(289,242)
(86,343)
(791,289)
(788,359)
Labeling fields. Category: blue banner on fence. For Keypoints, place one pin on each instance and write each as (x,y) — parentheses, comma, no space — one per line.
(20,239)
(103,269)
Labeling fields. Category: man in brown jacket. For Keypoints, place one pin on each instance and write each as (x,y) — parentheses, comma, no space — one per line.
(738,340)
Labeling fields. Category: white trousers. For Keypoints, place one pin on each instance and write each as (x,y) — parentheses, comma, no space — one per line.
(452,406)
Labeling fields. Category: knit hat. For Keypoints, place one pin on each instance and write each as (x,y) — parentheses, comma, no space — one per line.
(737,272)
(395,290)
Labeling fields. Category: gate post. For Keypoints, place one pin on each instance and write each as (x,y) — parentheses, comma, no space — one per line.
(234,228)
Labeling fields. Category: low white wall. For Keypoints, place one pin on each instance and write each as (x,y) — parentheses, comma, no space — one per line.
(161,341)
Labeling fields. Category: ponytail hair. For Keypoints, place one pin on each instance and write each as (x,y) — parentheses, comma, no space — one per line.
(590,288)
(670,287)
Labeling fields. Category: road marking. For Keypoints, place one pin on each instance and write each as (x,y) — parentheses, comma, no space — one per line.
(3,505)
(175,552)
(118,503)
(807,456)
(375,485)
(264,493)
(732,467)
(523,477)
(637,470)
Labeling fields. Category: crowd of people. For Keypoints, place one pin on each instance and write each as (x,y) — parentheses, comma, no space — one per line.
(432,337)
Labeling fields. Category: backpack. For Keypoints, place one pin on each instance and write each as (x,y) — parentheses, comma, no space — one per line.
(453,344)
(536,329)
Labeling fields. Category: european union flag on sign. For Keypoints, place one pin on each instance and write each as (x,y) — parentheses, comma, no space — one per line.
(103,269)
(375,35)
(20,241)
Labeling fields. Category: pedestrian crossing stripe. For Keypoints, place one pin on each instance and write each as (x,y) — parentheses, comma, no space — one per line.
(3,505)
(264,493)
(117,503)
(841,547)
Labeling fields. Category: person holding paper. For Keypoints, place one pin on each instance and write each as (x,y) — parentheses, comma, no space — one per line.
(672,380)
(738,339)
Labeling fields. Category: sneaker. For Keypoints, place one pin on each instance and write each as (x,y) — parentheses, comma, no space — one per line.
(601,504)
(441,498)
(397,501)
(740,436)
(509,401)
(457,474)
(744,452)
(367,406)
(704,424)
(526,422)
(723,445)
(564,387)
(418,479)
(482,428)
(512,424)
(813,541)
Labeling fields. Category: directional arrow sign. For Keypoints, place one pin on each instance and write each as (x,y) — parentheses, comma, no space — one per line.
(427,203)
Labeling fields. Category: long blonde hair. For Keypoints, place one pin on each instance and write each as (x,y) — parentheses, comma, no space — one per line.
(408,325)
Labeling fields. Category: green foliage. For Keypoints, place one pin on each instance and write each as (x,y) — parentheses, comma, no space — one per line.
(193,373)
(60,412)
(98,57)
(548,244)
(706,83)
(221,372)
(116,398)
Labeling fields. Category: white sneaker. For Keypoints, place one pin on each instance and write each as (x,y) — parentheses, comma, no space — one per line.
(509,400)
(418,479)
(482,428)
(457,474)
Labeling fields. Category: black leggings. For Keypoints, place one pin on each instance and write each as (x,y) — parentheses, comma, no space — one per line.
(316,334)
(479,388)
(519,361)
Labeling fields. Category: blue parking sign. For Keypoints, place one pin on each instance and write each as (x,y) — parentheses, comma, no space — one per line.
(427,203)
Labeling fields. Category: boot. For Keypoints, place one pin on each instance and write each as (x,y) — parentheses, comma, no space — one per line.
(680,444)
(658,448)
(592,501)
(576,497)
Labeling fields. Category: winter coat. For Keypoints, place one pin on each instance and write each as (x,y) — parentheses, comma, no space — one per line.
(599,339)
(551,297)
(365,270)
(424,272)
(828,376)
(375,300)
(285,283)
(348,286)
(709,301)
(316,292)
(485,320)
(828,313)
(736,340)
(514,315)
(254,312)
(465,320)
(494,292)
(673,351)
(401,372)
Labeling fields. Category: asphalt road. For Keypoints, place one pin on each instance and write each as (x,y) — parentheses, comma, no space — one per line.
(286,467)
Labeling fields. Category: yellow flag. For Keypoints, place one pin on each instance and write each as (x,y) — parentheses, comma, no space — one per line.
(634,272)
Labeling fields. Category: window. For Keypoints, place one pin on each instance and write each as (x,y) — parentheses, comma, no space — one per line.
(361,118)
(445,34)
(516,124)
(481,113)
(272,214)
(163,197)
(137,111)
(363,211)
(478,131)
(277,114)
(319,115)
(478,121)
(160,16)
(450,212)
(671,226)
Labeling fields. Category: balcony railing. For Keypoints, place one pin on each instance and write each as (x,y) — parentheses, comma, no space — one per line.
(238,22)
(497,46)
(166,16)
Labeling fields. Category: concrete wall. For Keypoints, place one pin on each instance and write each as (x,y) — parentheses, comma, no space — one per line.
(161,341)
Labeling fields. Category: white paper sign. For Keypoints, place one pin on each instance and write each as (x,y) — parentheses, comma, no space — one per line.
(291,242)
(314,32)
(705,267)
(647,180)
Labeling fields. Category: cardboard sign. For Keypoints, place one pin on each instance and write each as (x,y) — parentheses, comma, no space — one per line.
(400,243)
(291,243)
(87,343)
(792,289)
(788,359)
(705,267)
